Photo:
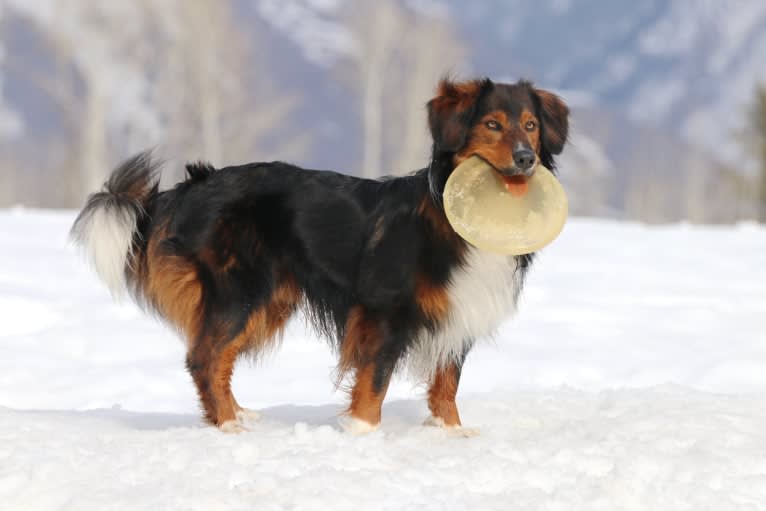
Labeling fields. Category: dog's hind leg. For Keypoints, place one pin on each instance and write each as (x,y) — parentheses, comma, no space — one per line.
(171,284)
(244,415)
(211,366)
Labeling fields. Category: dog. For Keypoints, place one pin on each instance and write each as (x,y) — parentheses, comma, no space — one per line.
(229,255)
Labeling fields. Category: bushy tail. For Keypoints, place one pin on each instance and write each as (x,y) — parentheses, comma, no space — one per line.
(106,226)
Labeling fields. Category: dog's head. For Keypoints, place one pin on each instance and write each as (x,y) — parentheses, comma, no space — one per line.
(513,127)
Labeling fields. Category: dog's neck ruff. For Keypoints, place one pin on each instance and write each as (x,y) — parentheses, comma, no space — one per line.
(483,293)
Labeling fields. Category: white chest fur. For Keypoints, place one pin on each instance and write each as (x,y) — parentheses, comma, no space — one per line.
(482,294)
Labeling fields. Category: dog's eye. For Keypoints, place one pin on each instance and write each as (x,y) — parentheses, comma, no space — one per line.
(493,125)
(530,126)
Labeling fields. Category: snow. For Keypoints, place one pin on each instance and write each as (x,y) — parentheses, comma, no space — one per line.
(632,378)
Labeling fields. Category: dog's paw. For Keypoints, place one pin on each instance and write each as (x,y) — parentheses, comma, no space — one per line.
(356,426)
(461,432)
(245,415)
(435,422)
(451,430)
(233,426)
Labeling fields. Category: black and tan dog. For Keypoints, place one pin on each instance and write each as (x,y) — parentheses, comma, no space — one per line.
(229,255)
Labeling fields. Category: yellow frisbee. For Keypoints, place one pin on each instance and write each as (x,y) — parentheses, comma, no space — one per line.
(506,216)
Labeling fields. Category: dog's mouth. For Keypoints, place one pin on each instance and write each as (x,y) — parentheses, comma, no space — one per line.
(517,185)
(514,180)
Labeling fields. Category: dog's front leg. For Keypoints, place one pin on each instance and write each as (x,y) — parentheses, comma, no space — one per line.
(441,400)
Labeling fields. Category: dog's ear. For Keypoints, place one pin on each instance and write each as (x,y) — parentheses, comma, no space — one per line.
(554,116)
(451,111)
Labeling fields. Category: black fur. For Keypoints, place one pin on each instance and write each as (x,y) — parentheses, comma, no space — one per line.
(317,225)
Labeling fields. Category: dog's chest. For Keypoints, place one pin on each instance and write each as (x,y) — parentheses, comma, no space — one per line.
(482,294)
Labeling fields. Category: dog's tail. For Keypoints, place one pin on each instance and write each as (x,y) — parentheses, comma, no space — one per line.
(107,227)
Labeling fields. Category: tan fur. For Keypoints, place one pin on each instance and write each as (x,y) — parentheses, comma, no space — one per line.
(534,135)
(441,396)
(432,299)
(360,342)
(365,402)
(263,327)
(171,285)
(221,369)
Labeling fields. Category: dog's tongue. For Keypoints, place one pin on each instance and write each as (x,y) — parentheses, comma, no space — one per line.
(516,185)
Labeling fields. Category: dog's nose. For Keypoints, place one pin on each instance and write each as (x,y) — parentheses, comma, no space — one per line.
(524,158)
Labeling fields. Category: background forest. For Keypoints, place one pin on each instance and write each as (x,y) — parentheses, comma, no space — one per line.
(669,119)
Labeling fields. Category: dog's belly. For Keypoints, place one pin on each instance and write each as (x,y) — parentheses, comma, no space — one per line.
(482,294)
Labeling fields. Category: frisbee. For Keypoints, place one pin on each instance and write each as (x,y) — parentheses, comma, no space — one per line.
(511,216)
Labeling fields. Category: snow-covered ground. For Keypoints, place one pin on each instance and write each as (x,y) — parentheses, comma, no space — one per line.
(634,377)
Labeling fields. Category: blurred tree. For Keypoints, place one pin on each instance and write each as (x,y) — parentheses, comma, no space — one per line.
(586,173)
(122,76)
(735,195)
(377,28)
(758,135)
(92,46)
(214,89)
(668,180)
(430,49)
(8,188)
(398,58)
(651,190)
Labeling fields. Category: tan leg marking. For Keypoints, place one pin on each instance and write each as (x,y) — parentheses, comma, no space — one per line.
(441,396)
